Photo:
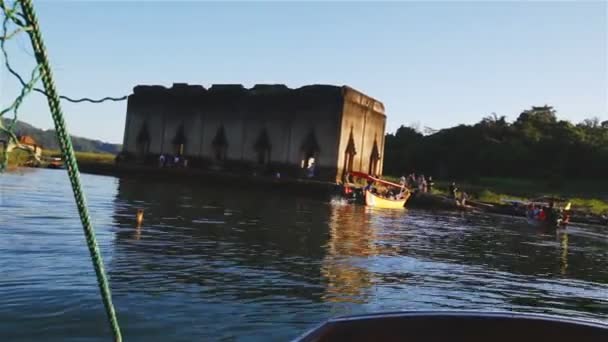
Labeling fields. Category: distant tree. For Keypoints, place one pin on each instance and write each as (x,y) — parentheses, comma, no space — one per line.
(591,123)
(429,130)
(399,149)
(537,144)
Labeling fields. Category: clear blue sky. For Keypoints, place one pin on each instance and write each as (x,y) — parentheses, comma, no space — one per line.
(436,64)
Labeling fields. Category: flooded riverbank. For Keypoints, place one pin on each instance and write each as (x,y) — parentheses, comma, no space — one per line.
(211,263)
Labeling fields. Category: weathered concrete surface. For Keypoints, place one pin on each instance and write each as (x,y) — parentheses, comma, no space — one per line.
(312,121)
(362,127)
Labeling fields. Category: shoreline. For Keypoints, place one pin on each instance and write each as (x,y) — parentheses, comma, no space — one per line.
(306,187)
(303,187)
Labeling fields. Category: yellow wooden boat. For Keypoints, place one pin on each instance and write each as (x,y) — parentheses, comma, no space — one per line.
(380,202)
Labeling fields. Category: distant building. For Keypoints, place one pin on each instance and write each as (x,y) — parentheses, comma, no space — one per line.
(318,130)
(24,142)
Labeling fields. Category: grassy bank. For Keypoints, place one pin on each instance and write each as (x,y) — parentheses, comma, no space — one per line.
(586,195)
(16,158)
(19,157)
(533,187)
(593,205)
(85,157)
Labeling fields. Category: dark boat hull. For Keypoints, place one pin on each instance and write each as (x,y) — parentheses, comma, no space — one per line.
(457,326)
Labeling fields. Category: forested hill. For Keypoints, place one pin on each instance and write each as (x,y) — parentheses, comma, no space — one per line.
(536,145)
(48,140)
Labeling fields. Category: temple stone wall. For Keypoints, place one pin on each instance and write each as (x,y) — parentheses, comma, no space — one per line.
(268,126)
(362,126)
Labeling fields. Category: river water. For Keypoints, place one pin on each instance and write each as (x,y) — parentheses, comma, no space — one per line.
(224,264)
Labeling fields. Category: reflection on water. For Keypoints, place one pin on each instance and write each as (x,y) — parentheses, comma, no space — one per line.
(219,263)
(564,255)
(351,236)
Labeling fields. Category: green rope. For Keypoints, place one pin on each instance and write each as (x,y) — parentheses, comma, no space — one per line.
(70,160)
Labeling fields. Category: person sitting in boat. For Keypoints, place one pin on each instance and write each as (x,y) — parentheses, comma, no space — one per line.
(386,193)
(347,191)
(535,211)
(541,214)
(401,193)
(530,211)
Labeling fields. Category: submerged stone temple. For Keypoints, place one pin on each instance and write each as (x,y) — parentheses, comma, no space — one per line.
(317,130)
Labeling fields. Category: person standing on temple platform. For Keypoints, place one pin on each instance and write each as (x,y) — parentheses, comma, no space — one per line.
(453,189)
(429,184)
(421,184)
(463,198)
(412,181)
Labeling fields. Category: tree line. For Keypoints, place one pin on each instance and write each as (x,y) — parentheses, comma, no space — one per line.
(535,145)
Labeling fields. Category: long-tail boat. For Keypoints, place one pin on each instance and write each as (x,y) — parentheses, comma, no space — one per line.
(374,198)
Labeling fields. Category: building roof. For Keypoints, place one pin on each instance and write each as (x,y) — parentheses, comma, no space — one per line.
(27,140)
(259,92)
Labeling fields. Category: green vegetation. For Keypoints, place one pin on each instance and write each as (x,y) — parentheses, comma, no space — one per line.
(20,157)
(492,197)
(48,140)
(95,158)
(494,160)
(496,191)
(16,158)
(86,157)
(595,206)
(529,188)
(536,146)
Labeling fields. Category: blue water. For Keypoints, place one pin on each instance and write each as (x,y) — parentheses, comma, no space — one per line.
(224,264)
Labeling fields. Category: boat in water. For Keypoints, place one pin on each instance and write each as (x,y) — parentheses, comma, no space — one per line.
(378,193)
(456,326)
(547,211)
(377,201)
(53,162)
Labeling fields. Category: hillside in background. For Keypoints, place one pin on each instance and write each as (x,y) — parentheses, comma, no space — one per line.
(47,139)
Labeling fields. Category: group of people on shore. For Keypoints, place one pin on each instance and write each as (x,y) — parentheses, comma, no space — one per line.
(418,183)
(172,161)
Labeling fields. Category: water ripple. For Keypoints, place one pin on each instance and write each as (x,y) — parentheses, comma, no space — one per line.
(210,264)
